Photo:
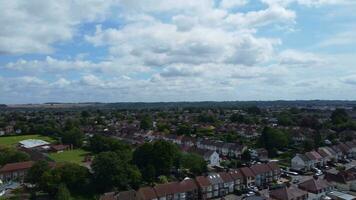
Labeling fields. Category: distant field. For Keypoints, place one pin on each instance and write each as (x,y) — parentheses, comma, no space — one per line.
(13,140)
(74,156)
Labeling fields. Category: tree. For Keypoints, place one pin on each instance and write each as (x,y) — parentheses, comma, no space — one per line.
(11,155)
(339,116)
(246,156)
(184,130)
(195,163)
(157,158)
(73,136)
(113,170)
(100,143)
(146,123)
(36,172)
(237,118)
(63,193)
(272,139)
(254,110)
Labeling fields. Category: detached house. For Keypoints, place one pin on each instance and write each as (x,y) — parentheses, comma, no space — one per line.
(316,188)
(301,162)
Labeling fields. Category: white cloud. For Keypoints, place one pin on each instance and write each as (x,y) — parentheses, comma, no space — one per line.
(301,59)
(34,26)
(227,4)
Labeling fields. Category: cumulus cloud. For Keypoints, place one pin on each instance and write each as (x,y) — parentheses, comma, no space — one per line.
(301,59)
(34,26)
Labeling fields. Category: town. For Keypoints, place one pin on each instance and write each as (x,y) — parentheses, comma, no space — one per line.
(223,151)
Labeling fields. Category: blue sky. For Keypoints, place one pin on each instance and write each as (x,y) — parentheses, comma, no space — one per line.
(176,50)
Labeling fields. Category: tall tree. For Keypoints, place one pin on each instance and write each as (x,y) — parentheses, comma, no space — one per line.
(63,193)
(113,170)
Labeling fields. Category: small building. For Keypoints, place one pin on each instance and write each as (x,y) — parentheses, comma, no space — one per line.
(15,171)
(59,148)
(32,143)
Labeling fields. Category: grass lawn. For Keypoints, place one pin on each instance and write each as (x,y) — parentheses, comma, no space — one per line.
(13,140)
(74,156)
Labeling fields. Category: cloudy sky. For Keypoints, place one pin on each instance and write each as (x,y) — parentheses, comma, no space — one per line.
(176,50)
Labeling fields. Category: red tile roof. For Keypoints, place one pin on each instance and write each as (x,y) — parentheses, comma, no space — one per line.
(260,168)
(287,193)
(313,185)
(247,172)
(16,166)
(226,177)
(147,193)
(203,181)
(175,187)
(236,174)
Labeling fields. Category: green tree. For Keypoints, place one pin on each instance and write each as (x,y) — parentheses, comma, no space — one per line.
(246,156)
(114,170)
(63,193)
(73,136)
(11,155)
(146,123)
(272,139)
(195,163)
(339,116)
(36,172)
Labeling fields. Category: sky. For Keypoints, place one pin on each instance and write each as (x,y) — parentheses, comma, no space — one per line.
(176,50)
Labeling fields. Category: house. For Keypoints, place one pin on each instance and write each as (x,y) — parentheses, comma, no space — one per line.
(217,185)
(352,146)
(338,152)
(205,187)
(210,156)
(248,176)
(315,158)
(276,170)
(342,180)
(228,181)
(326,156)
(238,178)
(147,193)
(15,171)
(288,193)
(316,188)
(259,154)
(59,148)
(124,195)
(301,162)
(263,174)
(187,189)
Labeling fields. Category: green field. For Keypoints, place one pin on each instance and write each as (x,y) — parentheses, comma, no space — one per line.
(74,156)
(13,140)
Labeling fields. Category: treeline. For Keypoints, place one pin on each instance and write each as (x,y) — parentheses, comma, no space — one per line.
(115,167)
